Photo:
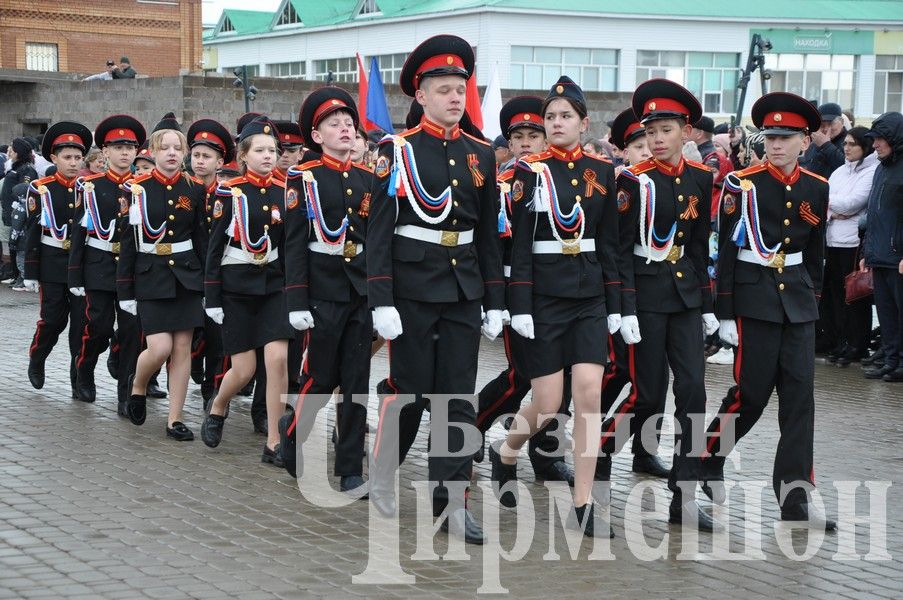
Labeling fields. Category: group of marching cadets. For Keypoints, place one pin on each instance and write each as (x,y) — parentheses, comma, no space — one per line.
(304,253)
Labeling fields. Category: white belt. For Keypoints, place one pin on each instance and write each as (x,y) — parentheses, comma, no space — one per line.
(162,249)
(237,256)
(781,260)
(52,241)
(507,270)
(348,249)
(676,252)
(556,247)
(103,245)
(435,236)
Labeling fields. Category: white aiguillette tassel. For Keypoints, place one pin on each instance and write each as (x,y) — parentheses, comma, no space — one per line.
(540,201)
(134,214)
(230,230)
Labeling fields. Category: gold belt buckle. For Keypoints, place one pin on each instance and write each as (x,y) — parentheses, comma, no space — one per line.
(259,258)
(67,244)
(163,249)
(449,238)
(350,250)
(778,262)
(674,253)
(115,248)
(570,249)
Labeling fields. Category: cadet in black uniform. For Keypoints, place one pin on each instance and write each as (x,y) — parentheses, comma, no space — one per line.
(433,257)
(523,127)
(563,285)
(160,276)
(770,264)
(628,134)
(331,297)
(664,232)
(51,213)
(211,147)
(100,217)
(246,276)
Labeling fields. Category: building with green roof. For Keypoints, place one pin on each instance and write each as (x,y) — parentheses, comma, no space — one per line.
(846,51)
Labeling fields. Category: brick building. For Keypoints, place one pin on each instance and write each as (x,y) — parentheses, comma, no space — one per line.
(161,37)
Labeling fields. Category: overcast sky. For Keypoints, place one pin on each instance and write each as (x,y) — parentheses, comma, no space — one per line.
(213,8)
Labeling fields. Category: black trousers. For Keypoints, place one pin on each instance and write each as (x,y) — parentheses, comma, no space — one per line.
(889,305)
(100,315)
(295,358)
(216,363)
(771,356)
(843,323)
(338,355)
(503,395)
(58,308)
(617,376)
(436,354)
(130,340)
(668,339)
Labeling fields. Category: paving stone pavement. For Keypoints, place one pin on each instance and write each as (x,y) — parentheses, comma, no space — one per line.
(92,506)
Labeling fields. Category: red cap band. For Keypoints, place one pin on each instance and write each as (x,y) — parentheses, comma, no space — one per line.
(68,139)
(327,107)
(440,61)
(207,137)
(120,135)
(665,105)
(631,128)
(525,118)
(785,119)
(291,139)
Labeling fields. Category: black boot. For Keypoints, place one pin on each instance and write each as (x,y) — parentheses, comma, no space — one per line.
(73,377)
(36,374)
(113,363)
(136,406)
(712,481)
(290,451)
(461,523)
(585,521)
(690,515)
(501,475)
(650,465)
(85,389)
(154,390)
(212,430)
(809,515)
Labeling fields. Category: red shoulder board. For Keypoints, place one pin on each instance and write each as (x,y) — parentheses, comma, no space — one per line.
(310,164)
(505,175)
(750,170)
(362,167)
(816,175)
(646,165)
(698,165)
(476,139)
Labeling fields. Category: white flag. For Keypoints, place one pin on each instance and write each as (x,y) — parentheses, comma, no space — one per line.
(492,106)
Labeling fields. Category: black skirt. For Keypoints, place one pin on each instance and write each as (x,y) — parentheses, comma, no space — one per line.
(567,331)
(253,321)
(185,311)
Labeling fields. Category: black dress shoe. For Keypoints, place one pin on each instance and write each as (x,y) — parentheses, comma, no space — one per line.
(461,523)
(878,373)
(272,457)
(290,451)
(501,475)
(894,376)
(712,481)
(113,364)
(122,409)
(558,470)
(804,515)
(212,430)
(36,374)
(690,515)
(154,390)
(179,432)
(383,500)
(136,406)
(354,485)
(586,521)
(260,423)
(207,393)
(875,360)
(603,468)
(850,356)
(85,390)
(650,465)
(480,455)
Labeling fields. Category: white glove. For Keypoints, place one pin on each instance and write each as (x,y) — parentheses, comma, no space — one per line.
(31,285)
(709,323)
(77,291)
(523,325)
(129,306)
(506,318)
(387,322)
(614,323)
(301,319)
(630,329)
(492,324)
(216,314)
(728,332)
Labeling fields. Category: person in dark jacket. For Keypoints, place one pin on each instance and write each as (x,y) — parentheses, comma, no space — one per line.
(124,70)
(21,170)
(883,244)
(825,154)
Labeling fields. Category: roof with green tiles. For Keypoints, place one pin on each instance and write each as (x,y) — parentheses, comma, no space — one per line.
(323,13)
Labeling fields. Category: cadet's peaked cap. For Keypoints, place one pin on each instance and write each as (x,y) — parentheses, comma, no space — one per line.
(781,113)
(522,111)
(119,129)
(244,120)
(66,134)
(289,133)
(143,154)
(565,87)
(663,99)
(438,55)
(626,128)
(320,104)
(260,125)
(211,133)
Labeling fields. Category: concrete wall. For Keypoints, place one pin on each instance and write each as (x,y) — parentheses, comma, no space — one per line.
(28,105)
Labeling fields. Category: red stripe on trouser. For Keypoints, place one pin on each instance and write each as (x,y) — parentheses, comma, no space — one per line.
(715,435)
(509,391)
(629,403)
(305,368)
(613,371)
(85,334)
(37,333)
(386,401)
(218,378)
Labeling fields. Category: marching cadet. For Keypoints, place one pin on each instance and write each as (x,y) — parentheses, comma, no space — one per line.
(211,147)
(144,161)
(292,141)
(769,279)
(523,127)
(95,254)
(563,289)
(330,300)
(159,277)
(246,275)
(666,295)
(629,136)
(433,258)
(52,213)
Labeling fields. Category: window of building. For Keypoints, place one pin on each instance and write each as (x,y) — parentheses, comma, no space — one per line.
(41,57)
(227,27)
(820,77)
(368,7)
(253,70)
(888,83)
(289,16)
(290,69)
(711,76)
(342,69)
(539,67)
(389,66)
